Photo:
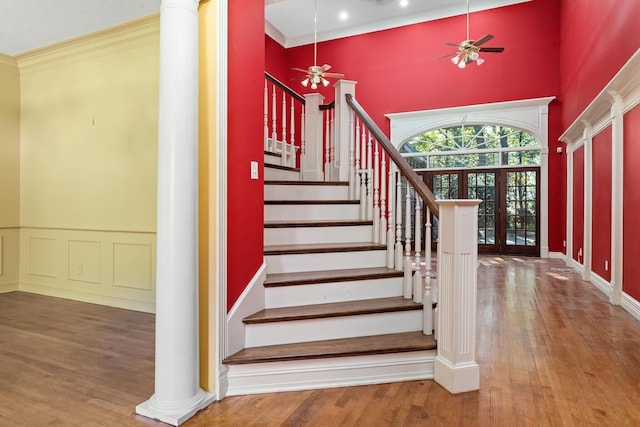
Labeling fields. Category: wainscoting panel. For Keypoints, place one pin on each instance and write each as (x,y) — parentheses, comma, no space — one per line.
(9,255)
(111,268)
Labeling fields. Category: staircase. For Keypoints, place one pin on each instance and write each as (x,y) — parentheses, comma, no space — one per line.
(334,314)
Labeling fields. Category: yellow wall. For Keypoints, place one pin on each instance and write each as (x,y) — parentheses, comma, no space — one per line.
(207,197)
(9,172)
(89,111)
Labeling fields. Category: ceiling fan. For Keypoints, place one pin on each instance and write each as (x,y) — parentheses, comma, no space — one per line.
(469,50)
(316,74)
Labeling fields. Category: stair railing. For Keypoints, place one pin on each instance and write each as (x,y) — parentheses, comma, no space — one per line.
(282,109)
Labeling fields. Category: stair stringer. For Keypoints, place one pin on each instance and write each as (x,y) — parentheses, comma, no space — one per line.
(349,371)
(251,300)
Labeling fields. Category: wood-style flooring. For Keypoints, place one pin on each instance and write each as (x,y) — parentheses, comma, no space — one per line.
(552,352)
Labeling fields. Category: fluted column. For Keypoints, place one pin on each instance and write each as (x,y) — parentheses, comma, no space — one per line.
(455,367)
(177,395)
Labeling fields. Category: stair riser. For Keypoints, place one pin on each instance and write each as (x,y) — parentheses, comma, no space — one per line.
(272,159)
(311,235)
(289,263)
(322,293)
(311,212)
(305,192)
(262,334)
(274,174)
(331,372)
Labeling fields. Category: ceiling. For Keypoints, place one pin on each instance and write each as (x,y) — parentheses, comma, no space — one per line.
(30,24)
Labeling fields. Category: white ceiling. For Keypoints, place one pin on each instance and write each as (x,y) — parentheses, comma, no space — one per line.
(30,24)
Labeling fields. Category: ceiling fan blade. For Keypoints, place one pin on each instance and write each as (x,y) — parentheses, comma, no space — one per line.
(326,67)
(483,39)
(300,69)
(452,44)
(333,75)
(447,56)
(492,49)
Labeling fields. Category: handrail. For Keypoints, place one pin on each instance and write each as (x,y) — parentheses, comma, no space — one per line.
(406,169)
(284,87)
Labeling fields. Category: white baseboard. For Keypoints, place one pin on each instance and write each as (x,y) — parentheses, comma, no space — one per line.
(107,300)
(570,262)
(631,305)
(332,372)
(251,300)
(600,283)
(557,255)
(8,287)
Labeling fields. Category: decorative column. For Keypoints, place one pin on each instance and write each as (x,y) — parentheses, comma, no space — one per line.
(311,163)
(342,128)
(455,367)
(617,205)
(587,249)
(177,394)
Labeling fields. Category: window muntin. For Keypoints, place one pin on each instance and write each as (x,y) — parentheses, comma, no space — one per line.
(471,147)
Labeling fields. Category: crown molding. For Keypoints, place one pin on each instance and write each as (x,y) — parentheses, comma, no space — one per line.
(8,62)
(127,33)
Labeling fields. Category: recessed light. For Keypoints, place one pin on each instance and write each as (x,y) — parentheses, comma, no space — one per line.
(343,16)
(404,3)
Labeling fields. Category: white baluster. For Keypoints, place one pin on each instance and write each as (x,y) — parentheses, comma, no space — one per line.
(352,173)
(376,196)
(292,159)
(398,221)
(390,217)
(274,132)
(283,159)
(369,178)
(383,200)
(363,173)
(408,270)
(303,139)
(356,164)
(266,116)
(417,278)
(328,170)
(428,320)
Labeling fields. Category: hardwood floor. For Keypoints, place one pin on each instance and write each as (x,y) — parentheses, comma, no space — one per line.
(552,352)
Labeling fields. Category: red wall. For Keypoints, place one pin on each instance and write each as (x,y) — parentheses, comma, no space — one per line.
(396,71)
(276,61)
(601,200)
(631,225)
(578,205)
(245,133)
(598,37)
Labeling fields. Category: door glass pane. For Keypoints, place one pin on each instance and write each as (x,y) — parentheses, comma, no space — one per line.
(481,185)
(445,186)
(521,207)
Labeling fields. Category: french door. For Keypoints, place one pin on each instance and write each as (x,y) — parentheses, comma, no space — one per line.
(508,217)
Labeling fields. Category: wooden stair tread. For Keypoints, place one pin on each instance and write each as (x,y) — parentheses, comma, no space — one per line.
(316,223)
(320,183)
(281,167)
(272,153)
(359,346)
(329,276)
(321,248)
(312,202)
(335,309)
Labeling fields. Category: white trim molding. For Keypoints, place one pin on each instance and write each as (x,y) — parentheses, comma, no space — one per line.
(620,95)
(531,115)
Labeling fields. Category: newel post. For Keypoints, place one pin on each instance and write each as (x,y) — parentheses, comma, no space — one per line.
(311,162)
(455,367)
(343,132)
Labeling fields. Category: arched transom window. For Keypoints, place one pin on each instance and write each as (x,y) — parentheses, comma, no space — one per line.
(472,146)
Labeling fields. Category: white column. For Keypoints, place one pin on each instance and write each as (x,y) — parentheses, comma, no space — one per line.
(455,367)
(177,395)
(342,128)
(311,158)
(587,249)
(544,183)
(617,179)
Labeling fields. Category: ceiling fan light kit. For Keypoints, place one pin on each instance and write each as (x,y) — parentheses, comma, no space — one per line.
(315,74)
(469,50)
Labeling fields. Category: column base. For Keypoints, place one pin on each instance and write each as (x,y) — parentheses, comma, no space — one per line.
(456,378)
(176,415)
